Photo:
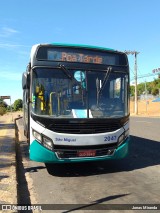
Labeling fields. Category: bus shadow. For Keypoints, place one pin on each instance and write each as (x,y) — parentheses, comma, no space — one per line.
(142,153)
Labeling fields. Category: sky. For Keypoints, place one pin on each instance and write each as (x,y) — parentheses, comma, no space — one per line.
(117,24)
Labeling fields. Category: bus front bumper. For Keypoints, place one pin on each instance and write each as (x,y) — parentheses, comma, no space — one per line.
(40,154)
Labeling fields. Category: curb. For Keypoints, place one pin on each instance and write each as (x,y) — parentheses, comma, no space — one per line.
(25,192)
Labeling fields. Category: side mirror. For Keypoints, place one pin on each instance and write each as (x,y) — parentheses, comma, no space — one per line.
(25,80)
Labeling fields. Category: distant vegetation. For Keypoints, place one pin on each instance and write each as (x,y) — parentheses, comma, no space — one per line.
(16,106)
(2,110)
(150,87)
(3,107)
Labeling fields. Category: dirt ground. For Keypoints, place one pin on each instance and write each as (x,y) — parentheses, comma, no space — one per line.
(146,108)
(8,183)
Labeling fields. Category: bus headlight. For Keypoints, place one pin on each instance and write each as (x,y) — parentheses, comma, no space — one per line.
(121,139)
(37,135)
(127,133)
(47,142)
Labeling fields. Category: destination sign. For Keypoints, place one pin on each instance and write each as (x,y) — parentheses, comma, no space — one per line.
(75,57)
(80,55)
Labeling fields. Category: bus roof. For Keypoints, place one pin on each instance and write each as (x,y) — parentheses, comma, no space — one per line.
(74,46)
(83,46)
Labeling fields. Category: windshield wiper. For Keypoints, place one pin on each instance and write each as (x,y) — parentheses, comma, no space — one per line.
(66,71)
(108,71)
(105,79)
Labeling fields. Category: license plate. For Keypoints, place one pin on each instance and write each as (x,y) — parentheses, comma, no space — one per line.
(86,153)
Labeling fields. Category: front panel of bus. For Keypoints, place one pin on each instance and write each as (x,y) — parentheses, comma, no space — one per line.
(78,113)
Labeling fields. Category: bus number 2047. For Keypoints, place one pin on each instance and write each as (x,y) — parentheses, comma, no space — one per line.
(110,138)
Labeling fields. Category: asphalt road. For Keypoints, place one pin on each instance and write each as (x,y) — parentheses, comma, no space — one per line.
(133,180)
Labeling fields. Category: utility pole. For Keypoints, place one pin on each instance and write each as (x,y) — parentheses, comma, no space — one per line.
(135,53)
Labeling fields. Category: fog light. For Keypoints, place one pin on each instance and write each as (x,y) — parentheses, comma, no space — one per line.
(60,154)
(110,152)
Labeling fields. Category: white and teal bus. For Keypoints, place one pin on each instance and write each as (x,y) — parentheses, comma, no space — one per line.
(76,103)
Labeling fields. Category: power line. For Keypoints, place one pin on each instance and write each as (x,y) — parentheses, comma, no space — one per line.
(146,75)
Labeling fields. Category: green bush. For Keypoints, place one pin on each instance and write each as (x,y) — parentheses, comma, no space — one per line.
(17,105)
(2,110)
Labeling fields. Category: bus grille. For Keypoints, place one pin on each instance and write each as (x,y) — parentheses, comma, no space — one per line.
(71,152)
(84,128)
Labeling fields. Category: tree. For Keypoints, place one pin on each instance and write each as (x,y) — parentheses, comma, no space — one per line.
(2,110)
(3,104)
(132,90)
(17,104)
(3,107)
(141,88)
(155,87)
(151,87)
(155,91)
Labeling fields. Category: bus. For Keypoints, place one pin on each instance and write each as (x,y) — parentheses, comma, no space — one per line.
(76,103)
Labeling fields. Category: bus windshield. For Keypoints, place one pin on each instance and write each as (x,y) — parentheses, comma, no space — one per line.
(79,93)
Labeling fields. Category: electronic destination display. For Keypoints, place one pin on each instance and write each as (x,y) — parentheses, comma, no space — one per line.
(78,55)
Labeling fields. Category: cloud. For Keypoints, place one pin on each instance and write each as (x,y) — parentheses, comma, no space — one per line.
(9,45)
(6,32)
(6,39)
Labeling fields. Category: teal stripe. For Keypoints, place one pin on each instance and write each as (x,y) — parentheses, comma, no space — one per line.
(82,46)
(41,154)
